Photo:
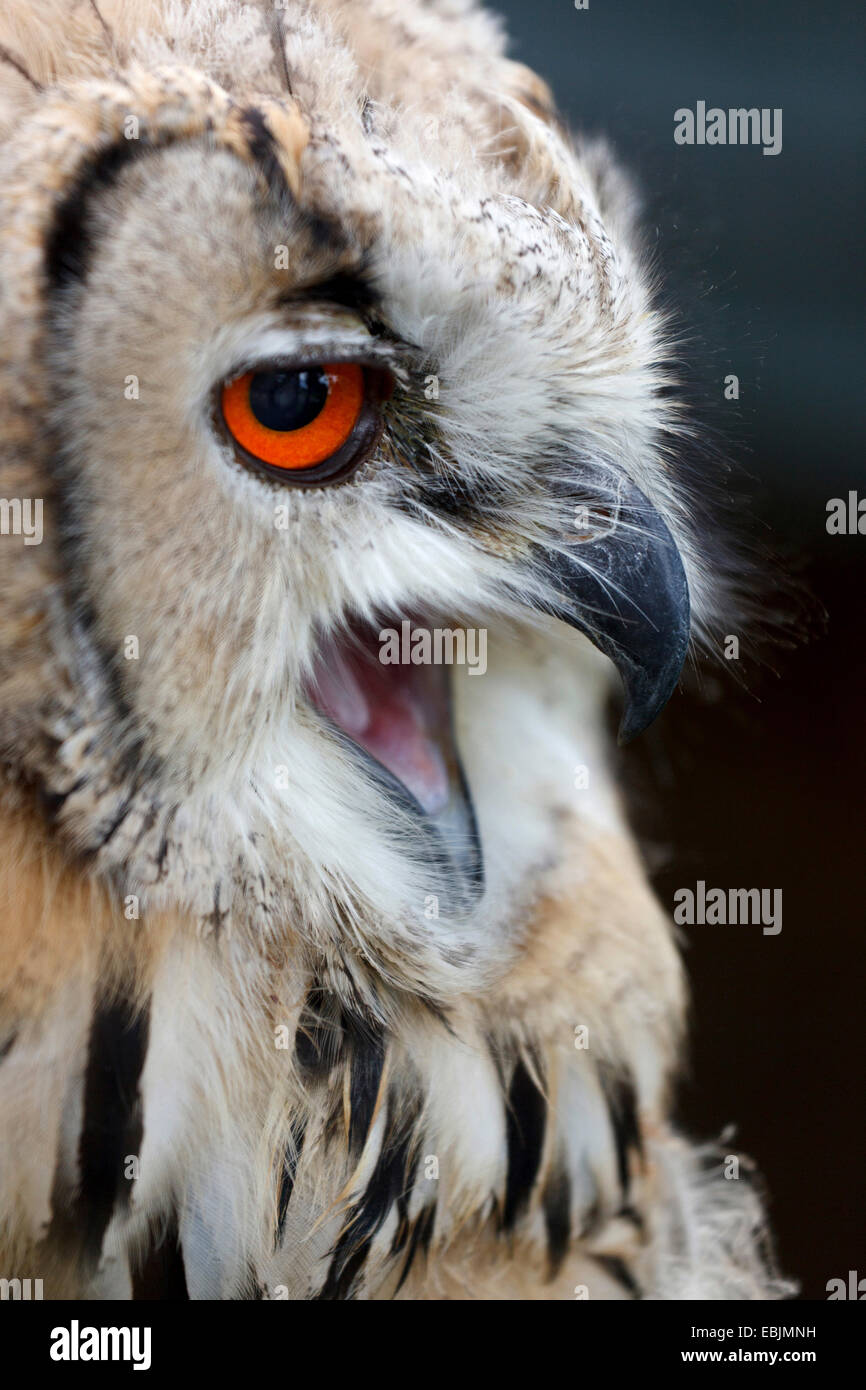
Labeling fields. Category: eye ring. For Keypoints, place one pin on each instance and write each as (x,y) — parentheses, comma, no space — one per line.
(335,405)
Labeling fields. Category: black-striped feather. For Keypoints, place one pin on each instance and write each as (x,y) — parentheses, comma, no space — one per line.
(556,1204)
(621,1103)
(390,1180)
(158,1274)
(525,1123)
(112,1127)
(291,1159)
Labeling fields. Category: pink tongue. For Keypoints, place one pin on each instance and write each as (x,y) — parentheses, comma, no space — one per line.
(384,710)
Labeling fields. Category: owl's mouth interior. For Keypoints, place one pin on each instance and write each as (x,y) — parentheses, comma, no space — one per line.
(396,712)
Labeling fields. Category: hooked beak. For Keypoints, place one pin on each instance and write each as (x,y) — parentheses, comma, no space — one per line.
(623,586)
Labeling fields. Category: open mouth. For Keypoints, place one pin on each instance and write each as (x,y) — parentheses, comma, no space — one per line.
(621,583)
(396,716)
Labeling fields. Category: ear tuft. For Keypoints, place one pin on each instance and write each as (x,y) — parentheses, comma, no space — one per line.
(619,200)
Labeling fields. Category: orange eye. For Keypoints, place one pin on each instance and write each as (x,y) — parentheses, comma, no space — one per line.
(291,420)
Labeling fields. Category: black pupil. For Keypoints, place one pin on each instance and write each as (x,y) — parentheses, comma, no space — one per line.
(288,400)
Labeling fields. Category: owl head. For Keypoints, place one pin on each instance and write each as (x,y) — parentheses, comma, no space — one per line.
(325,354)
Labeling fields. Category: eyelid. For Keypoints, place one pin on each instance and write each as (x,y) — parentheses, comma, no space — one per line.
(303,354)
(297,345)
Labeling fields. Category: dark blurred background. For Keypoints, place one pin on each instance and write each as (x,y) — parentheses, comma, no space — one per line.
(764,786)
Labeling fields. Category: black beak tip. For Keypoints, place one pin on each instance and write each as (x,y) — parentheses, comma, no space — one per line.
(636,720)
(647,691)
(627,591)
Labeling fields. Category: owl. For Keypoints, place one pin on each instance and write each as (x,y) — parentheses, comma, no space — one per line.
(340,505)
